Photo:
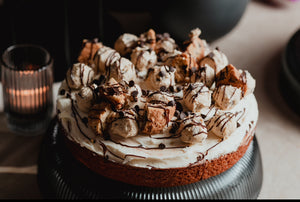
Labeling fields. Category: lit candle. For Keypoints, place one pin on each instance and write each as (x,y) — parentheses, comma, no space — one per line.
(27,79)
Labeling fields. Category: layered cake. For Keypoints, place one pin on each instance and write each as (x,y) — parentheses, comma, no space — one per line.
(151,112)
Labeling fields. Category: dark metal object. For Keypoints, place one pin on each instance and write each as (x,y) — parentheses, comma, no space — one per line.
(290,73)
(60,176)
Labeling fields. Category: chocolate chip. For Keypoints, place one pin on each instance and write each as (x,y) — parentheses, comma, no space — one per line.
(161,146)
(111,91)
(177,113)
(174,128)
(85,120)
(101,78)
(96,90)
(179,88)
(134,93)
(171,89)
(131,83)
(162,74)
(171,103)
(144,92)
(150,70)
(97,82)
(62,92)
(179,106)
(136,108)
(163,88)
(121,114)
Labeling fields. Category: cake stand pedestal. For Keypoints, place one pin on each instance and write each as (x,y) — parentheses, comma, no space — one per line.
(60,176)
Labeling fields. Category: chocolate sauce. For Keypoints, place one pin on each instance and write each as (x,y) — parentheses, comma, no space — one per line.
(75,114)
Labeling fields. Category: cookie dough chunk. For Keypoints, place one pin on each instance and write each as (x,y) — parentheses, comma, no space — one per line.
(195,46)
(237,78)
(183,63)
(99,116)
(114,93)
(157,116)
(87,53)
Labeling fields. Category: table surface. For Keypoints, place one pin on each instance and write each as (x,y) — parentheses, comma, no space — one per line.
(255,44)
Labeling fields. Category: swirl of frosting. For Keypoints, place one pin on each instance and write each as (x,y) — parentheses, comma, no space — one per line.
(104,58)
(209,66)
(223,124)
(227,96)
(111,64)
(134,95)
(204,74)
(196,96)
(160,76)
(143,58)
(126,43)
(164,45)
(124,124)
(158,97)
(79,75)
(192,129)
(216,59)
(85,98)
(122,70)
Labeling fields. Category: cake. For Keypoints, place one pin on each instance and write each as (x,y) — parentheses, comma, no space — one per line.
(151,112)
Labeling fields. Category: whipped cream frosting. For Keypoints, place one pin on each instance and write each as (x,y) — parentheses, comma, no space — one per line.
(197,125)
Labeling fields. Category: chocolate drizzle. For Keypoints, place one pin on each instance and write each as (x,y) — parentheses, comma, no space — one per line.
(111,61)
(193,86)
(75,114)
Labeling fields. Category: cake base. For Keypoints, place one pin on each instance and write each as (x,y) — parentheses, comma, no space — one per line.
(60,176)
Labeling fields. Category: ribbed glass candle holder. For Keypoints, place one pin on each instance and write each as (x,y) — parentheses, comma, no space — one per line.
(27,78)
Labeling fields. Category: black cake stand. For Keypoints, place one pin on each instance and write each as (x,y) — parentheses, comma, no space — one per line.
(60,176)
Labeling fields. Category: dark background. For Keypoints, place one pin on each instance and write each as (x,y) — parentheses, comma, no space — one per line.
(61,25)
